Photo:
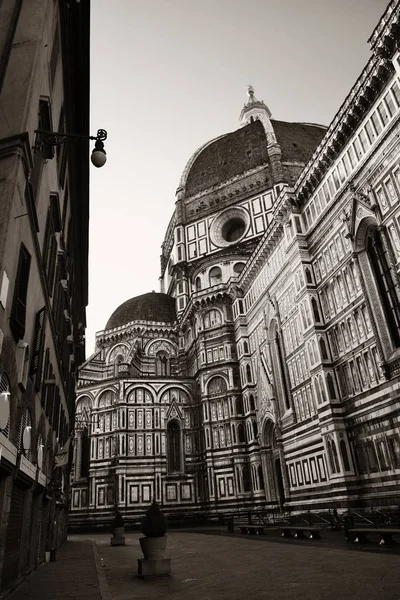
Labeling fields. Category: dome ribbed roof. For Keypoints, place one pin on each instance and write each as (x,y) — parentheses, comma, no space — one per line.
(235,153)
(228,156)
(156,307)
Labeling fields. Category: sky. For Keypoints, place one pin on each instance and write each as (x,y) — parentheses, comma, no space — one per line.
(169,75)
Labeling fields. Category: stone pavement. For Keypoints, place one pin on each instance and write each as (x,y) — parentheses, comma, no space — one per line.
(215,567)
(73,576)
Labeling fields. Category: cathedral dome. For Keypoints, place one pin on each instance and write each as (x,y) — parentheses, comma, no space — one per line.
(228,156)
(159,308)
(231,155)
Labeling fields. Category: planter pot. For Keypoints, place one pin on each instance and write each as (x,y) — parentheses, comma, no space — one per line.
(153,548)
(118,538)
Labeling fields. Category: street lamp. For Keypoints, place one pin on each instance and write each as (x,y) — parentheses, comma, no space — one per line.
(51,138)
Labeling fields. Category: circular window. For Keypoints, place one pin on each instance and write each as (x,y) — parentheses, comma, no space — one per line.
(238,268)
(233,230)
(229,227)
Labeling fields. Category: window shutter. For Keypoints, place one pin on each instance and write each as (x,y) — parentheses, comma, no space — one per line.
(18,313)
(37,357)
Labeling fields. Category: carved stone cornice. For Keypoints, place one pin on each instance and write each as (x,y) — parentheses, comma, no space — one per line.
(363,93)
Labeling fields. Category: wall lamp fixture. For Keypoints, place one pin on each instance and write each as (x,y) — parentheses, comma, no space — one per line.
(50,138)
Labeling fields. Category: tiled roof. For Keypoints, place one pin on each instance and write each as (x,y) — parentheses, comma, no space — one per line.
(246,148)
(298,141)
(227,157)
(156,307)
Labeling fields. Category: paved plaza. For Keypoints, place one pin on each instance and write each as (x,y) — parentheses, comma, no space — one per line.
(216,567)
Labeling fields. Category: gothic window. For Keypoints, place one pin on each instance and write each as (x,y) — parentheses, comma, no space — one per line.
(198,284)
(315,310)
(241,434)
(385,284)
(85,458)
(333,456)
(260,477)
(217,386)
(239,405)
(212,318)
(246,478)
(331,386)
(322,347)
(163,368)
(308,275)
(245,348)
(248,373)
(251,401)
(174,447)
(278,364)
(345,456)
(233,434)
(215,276)
(372,457)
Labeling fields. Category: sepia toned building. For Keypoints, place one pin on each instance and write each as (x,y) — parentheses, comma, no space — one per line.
(44,85)
(274,376)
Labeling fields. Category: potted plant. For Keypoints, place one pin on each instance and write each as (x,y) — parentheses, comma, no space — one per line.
(118,529)
(154,528)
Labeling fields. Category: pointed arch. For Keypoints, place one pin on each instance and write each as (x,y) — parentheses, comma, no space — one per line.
(174,446)
(279,366)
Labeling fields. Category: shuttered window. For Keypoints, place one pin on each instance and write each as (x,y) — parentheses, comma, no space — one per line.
(18,312)
(50,245)
(37,356)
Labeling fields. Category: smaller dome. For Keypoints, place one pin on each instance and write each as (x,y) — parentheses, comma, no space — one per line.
(159,308)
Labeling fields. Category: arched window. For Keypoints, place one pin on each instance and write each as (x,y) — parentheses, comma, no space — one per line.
(238,268)
(241,434)
(248,373)
(321,383)
(212,318)
(217,386)
(345,456)
(330,456)
(315,310)
(260,477)
(335,456)
(245,347)
(385,284)
(163,368)
(331,386)
(215,276)
(85,458)
(198,284)
(251,402)
(239,405)
(308,275)
(322,347)
(246,478)
(174,447)
(278,365)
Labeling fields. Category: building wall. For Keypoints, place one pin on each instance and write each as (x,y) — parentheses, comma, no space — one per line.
(288,330)
(40,335)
